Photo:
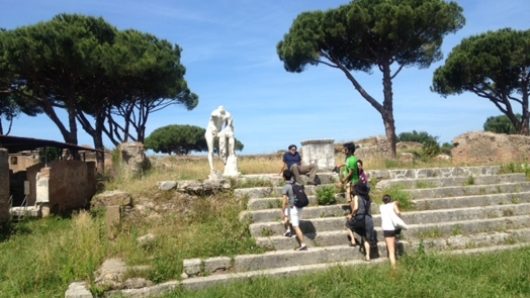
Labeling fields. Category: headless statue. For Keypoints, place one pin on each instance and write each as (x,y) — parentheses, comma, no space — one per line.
(221,126)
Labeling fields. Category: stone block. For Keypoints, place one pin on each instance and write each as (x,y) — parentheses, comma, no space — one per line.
(167,185)
(111,198)
(192,267)
(78,290)
(112,220)
(320,153)
(217,264)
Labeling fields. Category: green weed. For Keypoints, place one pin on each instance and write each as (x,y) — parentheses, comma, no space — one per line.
(326,195)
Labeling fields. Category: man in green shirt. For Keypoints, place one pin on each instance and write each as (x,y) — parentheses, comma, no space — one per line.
(350,171)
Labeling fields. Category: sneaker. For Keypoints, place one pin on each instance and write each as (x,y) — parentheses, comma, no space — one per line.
(288,234)
(301,248)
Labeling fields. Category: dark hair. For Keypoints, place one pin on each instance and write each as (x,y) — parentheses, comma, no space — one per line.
(350,146)
(287,175)
(387,199)
(362,190)
(291,146)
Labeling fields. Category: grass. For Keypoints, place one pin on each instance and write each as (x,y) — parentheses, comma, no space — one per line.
(502,274)
(40,258)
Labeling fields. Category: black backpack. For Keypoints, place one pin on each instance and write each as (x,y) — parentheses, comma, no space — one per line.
(300,198)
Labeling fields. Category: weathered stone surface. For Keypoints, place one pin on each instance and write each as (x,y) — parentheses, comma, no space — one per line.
(373,148)
(217,264)
(153,291)
(4,186)
(112,220)
(207,187)
(111,274)
(133,158)
(490,148)
(78,290)
(167,185)
(137,283)
(146,239)
(111,198)
(192,267)
(320,153)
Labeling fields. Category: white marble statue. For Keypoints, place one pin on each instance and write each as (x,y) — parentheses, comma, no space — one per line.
(221,126)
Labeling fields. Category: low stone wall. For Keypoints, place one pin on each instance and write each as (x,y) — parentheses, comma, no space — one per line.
(4,186)
(490,148)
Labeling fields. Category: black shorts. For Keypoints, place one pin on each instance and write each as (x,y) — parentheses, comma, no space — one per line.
(391,233)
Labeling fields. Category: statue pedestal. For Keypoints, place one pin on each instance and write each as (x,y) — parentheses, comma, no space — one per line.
(215,176)
(231,167)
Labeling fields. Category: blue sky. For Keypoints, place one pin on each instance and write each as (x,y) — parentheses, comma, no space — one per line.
(229,51)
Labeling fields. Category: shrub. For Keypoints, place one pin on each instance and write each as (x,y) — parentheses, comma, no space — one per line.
(326,195)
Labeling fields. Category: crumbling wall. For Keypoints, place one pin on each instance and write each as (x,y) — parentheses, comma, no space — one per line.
(490,148)
(71,184)
(4,186)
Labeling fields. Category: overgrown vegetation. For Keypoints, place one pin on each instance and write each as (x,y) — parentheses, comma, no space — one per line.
(430,146)
(41,257)
(522,167)
(503,274)
(326,195)
(399,195)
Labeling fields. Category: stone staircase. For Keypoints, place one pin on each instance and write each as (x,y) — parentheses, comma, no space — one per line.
(455,210)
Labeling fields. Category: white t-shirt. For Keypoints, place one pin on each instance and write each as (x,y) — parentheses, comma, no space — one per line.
(387,212)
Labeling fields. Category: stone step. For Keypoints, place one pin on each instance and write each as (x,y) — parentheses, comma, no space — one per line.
(274,259)
(472,201)
(339,253)
(273,191)
(433,172)
(197,283)
(277,180)
(415,231)
(276,202)
(202,282)
(516,201)
(267,215)
(455,191)
(431,198)
(418,183)
(314,225)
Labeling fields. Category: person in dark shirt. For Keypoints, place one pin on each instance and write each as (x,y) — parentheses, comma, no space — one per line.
(293,161)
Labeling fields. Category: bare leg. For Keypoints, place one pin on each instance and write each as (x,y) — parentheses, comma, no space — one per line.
(391,248)
(352,237)
(367,249)
(222,147)
(209,142)
(299,236)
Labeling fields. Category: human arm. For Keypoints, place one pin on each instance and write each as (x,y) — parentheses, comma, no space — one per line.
(284,165)
(285,205)
(396,208)
(354,204)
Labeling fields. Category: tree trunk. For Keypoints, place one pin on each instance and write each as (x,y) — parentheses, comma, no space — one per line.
(525,117)
(388,109)
(98,144)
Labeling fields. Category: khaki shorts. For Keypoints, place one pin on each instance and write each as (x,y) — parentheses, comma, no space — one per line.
(293,214)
